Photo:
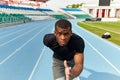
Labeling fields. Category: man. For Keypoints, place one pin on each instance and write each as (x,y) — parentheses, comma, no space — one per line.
(68,51)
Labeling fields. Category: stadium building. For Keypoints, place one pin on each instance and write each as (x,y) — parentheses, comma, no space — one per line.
(107,10)
(23,3)
(104,10)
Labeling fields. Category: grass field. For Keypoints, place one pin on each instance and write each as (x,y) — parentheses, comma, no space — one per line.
(100,28)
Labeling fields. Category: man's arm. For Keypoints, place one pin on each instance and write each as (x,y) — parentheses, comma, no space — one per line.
(77,68)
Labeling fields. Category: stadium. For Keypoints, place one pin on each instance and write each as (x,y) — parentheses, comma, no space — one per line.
(23,24)
(108,11)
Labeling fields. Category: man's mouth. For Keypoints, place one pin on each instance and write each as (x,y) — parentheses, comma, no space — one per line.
(62,44)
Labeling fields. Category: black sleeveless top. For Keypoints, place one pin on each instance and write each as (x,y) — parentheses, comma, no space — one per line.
(75,44)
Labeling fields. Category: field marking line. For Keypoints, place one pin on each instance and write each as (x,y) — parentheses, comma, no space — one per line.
(18,49)
(14,32)
(116,69)
(36,65)
(111,43)
(17,37)
(101,28)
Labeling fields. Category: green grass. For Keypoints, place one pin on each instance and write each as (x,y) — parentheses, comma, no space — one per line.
(100,28)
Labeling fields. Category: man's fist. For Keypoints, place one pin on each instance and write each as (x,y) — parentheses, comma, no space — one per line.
(67,70)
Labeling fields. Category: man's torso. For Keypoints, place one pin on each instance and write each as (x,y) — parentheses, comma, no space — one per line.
(75,44)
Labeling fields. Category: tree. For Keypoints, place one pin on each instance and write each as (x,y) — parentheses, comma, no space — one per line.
(75,5)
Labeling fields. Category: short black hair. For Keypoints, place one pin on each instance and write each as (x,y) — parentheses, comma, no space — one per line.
(63,23)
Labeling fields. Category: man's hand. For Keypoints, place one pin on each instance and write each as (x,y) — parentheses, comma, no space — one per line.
(76,69)
(67,71)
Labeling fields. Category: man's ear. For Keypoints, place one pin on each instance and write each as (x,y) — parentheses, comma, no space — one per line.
(54,32)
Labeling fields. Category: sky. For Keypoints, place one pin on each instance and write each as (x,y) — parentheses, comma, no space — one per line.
(55,4)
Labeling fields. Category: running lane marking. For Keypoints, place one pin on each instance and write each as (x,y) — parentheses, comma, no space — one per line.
(14,32)
(101,28)
(116,69)
(17,37)
(18,49)
(35,67)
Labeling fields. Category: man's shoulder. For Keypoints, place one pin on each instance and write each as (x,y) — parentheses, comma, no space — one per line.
(49,37)
(77,43)
(76,37)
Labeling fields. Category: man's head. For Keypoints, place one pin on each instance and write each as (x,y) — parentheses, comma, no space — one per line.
(63,31)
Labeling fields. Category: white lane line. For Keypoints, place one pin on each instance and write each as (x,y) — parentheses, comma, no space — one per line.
(36,65)
(14,32)
(17,37)
(101,28)
(116,69)
(18,49)
(77,78)
(116,46)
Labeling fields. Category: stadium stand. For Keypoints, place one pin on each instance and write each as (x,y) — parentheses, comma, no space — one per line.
(31,13)
(7,15)
(7,18)
(78,13)
(54,14)
(17,14)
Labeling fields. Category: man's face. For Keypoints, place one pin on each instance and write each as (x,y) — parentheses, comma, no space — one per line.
(62,35)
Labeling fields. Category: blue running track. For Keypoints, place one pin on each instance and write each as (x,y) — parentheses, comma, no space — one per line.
(24,57)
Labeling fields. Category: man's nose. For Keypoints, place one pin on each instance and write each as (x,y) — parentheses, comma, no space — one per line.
(62,37)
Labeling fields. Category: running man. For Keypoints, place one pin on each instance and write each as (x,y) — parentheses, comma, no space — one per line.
(68,48)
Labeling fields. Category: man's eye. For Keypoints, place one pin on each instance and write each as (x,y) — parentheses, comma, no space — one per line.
(66,34)
(59,33)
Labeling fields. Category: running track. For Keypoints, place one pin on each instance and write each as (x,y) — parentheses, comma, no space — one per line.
(24,57)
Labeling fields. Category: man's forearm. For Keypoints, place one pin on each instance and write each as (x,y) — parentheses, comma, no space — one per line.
(76,70)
